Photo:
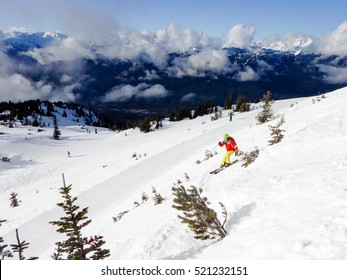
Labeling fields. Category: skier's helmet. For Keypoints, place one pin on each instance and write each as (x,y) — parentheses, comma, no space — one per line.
(226,136)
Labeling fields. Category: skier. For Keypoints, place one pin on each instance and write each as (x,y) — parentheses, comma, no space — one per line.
(231,147)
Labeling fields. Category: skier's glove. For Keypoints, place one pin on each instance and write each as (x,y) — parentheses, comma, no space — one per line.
(219,143)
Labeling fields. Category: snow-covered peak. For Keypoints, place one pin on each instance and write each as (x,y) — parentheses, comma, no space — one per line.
(24,40)
(292,42)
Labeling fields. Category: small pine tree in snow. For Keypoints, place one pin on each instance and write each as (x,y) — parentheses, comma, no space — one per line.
(20,247)
(144,197)
(157,198)
(266,114)
(56,132)
(242,105)
(119,216)
(248,158)
(77,247)
(2,247)
(208,154)
(14,201)
(276,132)
(3,252)
(201,219)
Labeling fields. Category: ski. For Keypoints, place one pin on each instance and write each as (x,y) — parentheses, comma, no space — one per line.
(219,169)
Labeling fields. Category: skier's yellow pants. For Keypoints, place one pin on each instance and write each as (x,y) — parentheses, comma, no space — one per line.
(226,158)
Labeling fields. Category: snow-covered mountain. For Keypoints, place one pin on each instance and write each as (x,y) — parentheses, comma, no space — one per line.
(295,43)
(26,40)
(289,204)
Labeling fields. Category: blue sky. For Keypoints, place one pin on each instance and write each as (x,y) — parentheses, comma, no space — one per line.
(213,17)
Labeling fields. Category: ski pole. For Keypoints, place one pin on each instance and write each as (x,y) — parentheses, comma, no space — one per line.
(214,148)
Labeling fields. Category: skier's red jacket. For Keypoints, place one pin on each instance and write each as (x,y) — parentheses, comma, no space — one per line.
(230,144)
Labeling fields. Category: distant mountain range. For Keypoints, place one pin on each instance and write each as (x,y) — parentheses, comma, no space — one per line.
(116,78)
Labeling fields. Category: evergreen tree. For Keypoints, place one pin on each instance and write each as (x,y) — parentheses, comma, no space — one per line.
(144,197)
(59,252)
(20,247)
(228,102)
(50,109)
(3,252)
(14,201)
(172,115)
(266,114)
(157,198)
(145,125)
(76,247)
(201,219)
(276,132)
(248,158)
(159,121)
(119,216)
(182,113)
(56,133)
(242,105)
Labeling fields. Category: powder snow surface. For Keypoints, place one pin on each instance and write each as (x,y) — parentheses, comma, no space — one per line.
(291,203)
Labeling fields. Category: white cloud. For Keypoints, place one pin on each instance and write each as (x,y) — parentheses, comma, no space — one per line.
(333,75)
(150,75)
(65,79)
(15,87)
(188,97)
(130,44)
(155,91)
(264,67)
(239,36)
(335,42)
(247,75)
(177,38)
(198,65)
(64,50)
(126,92)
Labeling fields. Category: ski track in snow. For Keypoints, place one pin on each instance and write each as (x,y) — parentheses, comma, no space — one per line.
(289,204)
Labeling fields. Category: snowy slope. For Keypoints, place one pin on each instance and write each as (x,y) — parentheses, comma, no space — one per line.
(289,204)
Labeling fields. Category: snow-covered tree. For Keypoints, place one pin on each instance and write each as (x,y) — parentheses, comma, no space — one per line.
(76,247)
(199,217)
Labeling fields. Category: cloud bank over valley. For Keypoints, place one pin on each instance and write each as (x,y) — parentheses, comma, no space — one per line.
(174,52)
